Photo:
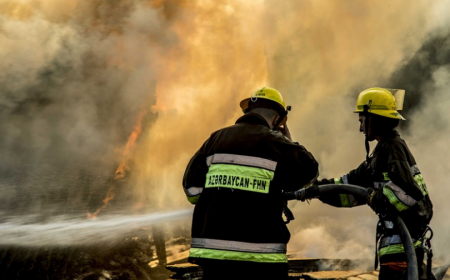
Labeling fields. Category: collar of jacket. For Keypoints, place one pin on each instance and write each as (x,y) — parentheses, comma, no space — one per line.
(385,137)
(389,135)
(252,118)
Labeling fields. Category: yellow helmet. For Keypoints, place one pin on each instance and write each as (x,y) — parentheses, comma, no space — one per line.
(264,93)
(268,94)
(381,101)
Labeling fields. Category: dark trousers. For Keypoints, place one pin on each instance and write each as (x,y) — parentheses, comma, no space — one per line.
(244,271)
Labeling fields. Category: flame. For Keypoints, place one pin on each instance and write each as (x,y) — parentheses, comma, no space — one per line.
(129,147)
(109,196)
(123,166)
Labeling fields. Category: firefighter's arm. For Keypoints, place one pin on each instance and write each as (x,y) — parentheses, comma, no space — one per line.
(330,199)
(300,170)
(402,191)
(354,177)
(195,176)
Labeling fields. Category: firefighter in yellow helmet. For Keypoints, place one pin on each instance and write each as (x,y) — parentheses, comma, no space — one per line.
(236,181)
(392,177)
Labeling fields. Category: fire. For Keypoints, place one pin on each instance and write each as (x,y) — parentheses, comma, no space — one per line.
(109,196)
(129,147)
(123,166)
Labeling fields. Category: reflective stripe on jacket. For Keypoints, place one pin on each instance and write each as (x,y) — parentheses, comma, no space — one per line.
(236,181)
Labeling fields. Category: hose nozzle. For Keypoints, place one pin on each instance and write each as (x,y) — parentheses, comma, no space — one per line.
(303,193)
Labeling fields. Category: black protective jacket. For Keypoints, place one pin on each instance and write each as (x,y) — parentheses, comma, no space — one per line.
(237,179)
(399,188)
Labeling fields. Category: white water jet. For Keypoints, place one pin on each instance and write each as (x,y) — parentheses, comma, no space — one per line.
(64,232)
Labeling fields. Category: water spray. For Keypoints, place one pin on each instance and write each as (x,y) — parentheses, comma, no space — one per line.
(82,232)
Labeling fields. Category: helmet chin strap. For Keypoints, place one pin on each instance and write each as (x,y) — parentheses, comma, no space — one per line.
(366,127)
(367,149)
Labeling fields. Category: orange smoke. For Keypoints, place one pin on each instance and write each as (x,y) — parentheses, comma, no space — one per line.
(200,81)
(123,166)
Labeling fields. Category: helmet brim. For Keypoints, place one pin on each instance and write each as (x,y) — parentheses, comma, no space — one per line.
(392,114)
(244,103)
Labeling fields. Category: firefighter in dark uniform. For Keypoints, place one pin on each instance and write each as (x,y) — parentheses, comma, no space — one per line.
(393,179)
(236,181)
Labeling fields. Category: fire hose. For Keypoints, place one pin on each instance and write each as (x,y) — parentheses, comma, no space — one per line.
(411,260)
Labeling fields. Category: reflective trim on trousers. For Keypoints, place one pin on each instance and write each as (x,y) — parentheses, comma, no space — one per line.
(398,197)
(238,246)
(202,253)
(242,160)
(390,240)
(396,248)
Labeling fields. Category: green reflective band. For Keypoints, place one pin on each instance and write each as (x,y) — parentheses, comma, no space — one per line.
(386,176)
(394,200)
(240,246)
(345,202)
(338,181)
(396,248)
(237,256)
(419,180)
(239,177)
(193,199)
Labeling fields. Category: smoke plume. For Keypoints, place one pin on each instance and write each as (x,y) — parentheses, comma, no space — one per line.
(75,77)
(429,127)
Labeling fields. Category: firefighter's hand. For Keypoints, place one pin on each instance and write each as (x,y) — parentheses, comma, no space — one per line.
(285,131)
